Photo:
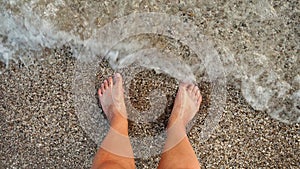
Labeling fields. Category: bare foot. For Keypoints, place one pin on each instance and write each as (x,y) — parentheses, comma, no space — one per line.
(111,96)
(187,103)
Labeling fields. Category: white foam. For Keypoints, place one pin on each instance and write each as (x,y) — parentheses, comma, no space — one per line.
(265,90)
(153,59)
(25,34)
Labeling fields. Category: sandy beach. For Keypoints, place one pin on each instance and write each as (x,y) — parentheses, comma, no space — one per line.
(39,126)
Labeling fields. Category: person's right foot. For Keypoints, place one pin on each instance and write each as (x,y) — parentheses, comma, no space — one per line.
(186,105)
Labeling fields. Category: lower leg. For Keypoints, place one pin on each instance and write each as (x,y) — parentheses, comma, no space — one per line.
(178,152)
(115,151)
(182,154)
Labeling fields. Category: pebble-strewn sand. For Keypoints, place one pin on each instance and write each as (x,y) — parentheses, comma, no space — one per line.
(39,127)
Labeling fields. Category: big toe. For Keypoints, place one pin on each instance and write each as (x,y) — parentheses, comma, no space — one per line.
(183,86)
(118,79)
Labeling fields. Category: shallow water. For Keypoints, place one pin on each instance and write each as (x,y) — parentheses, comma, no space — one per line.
(252,45)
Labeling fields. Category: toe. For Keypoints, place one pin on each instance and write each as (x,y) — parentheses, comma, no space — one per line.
(190,88)
(183,85)
(199,100)
(198,94)
(105,84)
(110,82)
(195,89)
(118,79)
(99,92)
(102,88)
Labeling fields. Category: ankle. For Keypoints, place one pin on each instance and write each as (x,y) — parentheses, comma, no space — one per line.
(176,121)
(120,124)
(176,118)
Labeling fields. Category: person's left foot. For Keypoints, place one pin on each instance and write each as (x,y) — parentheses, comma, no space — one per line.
(111,95)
